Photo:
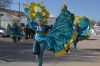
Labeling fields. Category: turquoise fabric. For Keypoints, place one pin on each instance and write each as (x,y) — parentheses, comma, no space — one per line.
(15,30)
(85,28)
(60,34)
(62,31)
(85,25)
(40,35)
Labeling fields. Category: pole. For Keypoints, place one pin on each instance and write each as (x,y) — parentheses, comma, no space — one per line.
(19,11)
(0,19)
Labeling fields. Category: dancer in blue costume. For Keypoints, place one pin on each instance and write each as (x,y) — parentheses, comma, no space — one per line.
(15,30)
(58,39)
(83,27)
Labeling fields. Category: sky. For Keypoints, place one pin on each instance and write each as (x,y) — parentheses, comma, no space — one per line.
(88,8)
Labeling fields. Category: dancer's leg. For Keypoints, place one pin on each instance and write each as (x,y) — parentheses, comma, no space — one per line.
(75,45)
(40,55)
(40,59)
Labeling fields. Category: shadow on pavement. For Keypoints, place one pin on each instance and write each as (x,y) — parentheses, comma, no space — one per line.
(76,56)
(93,50)
(22,52)
(91,39)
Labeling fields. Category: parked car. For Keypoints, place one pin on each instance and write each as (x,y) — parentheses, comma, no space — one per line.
(3,32)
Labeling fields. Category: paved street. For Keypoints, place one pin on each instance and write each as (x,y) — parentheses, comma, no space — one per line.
(20,54)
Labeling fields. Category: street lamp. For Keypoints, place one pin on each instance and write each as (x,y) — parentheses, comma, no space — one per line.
(0,19)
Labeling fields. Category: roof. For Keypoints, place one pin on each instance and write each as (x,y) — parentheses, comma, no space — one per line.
(12,12)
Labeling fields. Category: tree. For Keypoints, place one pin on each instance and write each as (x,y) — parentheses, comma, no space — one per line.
(5,3)
(98,23)
(93,22)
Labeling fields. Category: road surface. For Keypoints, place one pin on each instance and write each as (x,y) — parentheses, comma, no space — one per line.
(20,54)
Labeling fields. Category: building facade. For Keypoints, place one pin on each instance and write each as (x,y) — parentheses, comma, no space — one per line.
(7,17)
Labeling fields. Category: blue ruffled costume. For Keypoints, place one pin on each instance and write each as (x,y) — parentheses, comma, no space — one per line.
(84,30)
(61,35)
(15,30)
